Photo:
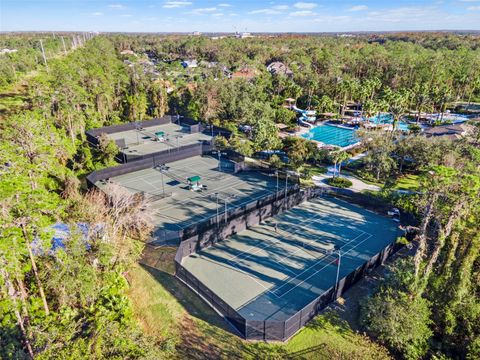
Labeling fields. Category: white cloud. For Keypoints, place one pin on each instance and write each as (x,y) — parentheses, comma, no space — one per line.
(305,5)
(358,8)
(303,13)
(265,12)
(126,15)
(176,4)
(217,14)
(274,10)
(474,8)
(224,5)
(97,13)
(117,6)
(202,11)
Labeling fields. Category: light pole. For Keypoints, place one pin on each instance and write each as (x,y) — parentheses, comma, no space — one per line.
(124,155)
(286,188)
(219,153)
(231,196)
(162,168)
(338,269)
(216,196)
(276,173)
(138,130)
(178,137)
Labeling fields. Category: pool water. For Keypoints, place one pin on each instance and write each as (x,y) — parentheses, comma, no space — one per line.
(388,119)
(332,135)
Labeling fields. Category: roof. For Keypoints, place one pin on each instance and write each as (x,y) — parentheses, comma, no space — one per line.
(127,52)
(190,63)
(195,178)
(453,131)
(279,68)
(244,73)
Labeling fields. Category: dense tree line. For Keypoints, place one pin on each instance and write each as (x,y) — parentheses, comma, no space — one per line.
(67,301)
(429,304)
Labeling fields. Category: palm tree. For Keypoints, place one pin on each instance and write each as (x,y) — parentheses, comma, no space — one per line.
(343,156)
(338,157)
(397,105)
(369,109)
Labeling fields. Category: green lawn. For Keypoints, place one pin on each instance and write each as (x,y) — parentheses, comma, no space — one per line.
(187,328)
(313,171)
(407,182)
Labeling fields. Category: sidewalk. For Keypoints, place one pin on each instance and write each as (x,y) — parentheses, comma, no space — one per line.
(357,185)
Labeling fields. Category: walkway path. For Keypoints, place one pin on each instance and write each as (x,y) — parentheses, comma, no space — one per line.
(357,184)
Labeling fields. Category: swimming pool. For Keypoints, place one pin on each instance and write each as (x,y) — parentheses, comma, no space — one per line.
(332,135)
(388,119)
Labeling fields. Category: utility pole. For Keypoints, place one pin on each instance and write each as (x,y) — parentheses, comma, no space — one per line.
(64,47)
(43,54)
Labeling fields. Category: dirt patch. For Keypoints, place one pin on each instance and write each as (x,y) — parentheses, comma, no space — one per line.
(160,258)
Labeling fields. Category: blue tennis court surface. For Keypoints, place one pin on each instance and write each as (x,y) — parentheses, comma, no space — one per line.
(271,271)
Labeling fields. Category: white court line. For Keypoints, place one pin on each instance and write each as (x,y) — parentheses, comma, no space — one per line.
(307,269)
(316,272)
(274,242)
(271,242)
(230,261)
(247,199)
(299,249)
(226,186)
(250,276)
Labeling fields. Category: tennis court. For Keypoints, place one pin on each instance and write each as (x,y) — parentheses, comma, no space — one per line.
(157,138)
(273,270)
(175,206)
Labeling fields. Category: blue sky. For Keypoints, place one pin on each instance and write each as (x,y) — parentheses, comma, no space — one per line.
(246,15)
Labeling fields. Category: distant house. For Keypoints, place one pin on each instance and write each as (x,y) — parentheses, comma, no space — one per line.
(8,51)
(244,73)
(243,35)
(208,64)
(189,64)
(127,52)
(453,132)
(279,68)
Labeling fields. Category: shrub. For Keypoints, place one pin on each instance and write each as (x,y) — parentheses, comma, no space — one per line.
(339,182)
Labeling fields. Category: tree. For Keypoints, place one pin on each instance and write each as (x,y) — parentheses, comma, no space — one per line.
(338,157)
(298,150)
(396,317)
(400,322)
(108,149)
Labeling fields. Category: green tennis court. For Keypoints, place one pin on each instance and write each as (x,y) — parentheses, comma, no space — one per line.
(157,138)
(173,205)
(273,270)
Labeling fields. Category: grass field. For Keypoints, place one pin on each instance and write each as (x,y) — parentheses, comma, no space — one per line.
(407,182)
(187,328)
